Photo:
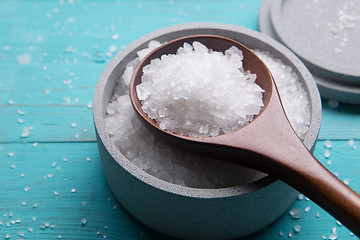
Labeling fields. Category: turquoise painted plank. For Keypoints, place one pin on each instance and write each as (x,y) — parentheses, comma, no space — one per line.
(342,122)
(45,172)
(37,189)
(50,123)
(74,40)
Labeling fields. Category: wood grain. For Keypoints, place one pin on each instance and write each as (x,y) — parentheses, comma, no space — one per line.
(69,44)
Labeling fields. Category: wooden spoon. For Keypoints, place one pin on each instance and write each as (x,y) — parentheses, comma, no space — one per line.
(268,143)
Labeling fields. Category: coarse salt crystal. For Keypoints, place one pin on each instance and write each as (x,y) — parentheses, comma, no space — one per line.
(295,213)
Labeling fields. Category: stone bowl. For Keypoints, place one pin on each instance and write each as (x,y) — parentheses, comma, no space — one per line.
(196,213)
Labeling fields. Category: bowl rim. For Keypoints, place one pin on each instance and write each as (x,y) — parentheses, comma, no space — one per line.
(98,110)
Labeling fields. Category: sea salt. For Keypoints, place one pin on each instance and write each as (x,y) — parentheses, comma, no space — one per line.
(213,92)
(24,59)
(295,213)
(172,165)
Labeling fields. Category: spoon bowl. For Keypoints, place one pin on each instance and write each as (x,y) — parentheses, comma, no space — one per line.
(268,143)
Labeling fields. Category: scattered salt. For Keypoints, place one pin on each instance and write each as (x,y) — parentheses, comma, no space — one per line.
(115,37)
(351,142)
(346,181)
(295,213)
(297,228)
(24,59)
(333,236)
(73,190)
(83,221)
(328,144)
(11,154)
(307,209)
(112,48)
(20,112)
(327,153)
(25,132)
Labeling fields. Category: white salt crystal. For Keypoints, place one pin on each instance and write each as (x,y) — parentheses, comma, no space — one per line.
(300,196)
(24,59)
(295,213)
(20,112)
(351,142)
(327,153)
(83,221)
(10,154)
(112,48)
(297,228)
(115,37)
(307,209)
(25,132)
(333,236)
(328,144)
(346,181)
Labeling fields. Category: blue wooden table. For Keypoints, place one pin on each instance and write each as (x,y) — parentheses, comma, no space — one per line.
(51,55)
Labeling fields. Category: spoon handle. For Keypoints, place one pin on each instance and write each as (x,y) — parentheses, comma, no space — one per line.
(306,174)
(272,146)
(285,156)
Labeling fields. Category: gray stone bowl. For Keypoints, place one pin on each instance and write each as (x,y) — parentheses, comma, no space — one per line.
(195,213)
